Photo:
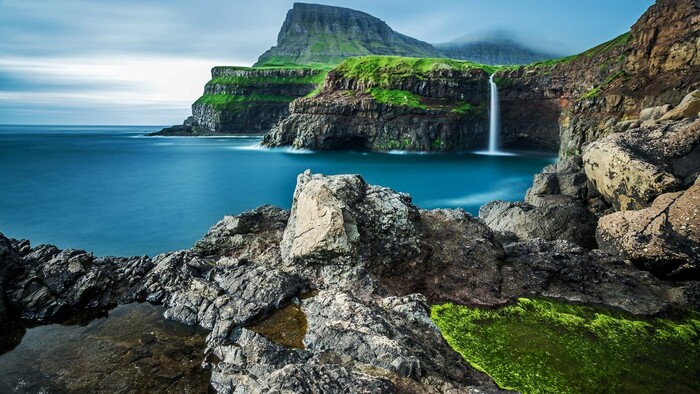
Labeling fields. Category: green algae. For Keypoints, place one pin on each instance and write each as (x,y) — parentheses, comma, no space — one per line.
(538,346)
(287,326)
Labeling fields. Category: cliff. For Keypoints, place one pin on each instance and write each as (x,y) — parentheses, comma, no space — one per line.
(387,103)
(240,100)
(570,102)
(492,51)
(314,33)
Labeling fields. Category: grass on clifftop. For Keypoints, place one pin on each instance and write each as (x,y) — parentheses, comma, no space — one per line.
(384,71)
(277,80)
(538,346)
(232,102)
(620,40)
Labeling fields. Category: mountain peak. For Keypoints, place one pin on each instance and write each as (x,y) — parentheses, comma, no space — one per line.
(314,33)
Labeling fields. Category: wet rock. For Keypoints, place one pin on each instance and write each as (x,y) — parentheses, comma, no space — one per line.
(47,283)
(565,271)
(255,233)
(663,239)
(566,221)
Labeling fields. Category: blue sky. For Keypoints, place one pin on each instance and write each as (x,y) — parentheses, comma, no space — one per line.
(138,62)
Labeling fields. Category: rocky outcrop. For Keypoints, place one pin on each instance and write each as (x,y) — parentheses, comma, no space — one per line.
(568,221)
(632,168)
(314,33)
(383,104)
(565,182)
(247,101)
(562,204)
(663,239)
(574,101)
(359,263)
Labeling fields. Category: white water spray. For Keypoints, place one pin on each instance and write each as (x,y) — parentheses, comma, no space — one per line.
(495,124)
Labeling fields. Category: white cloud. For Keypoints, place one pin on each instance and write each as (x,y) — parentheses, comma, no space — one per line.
(112,80)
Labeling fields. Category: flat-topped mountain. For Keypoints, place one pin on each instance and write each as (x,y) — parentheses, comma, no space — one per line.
(315,33)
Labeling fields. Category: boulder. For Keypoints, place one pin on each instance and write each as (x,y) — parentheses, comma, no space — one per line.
(631,169)
(568,221)
(654,113)
(663,239)
(688,108)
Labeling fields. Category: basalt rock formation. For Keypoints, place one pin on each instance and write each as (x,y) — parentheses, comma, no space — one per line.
(570,102)
(388,103)
(248,101)
(314,33)
(357,264)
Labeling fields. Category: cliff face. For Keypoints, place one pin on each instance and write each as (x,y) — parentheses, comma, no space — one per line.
(246,101)
(574,101)
(388,103)
(500,52)
(315,33)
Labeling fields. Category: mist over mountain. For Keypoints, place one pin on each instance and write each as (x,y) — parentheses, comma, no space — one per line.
(500,47)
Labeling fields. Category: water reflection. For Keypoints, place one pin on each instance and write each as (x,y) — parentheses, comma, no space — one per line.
(133,350)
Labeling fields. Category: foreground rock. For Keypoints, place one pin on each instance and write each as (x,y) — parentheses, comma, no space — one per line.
(631,169)
(663,239)
(357,264)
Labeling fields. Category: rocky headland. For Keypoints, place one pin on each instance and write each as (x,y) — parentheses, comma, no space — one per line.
(391,103)
(246,101)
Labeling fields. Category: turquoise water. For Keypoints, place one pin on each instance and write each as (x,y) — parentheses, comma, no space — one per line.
(109,190)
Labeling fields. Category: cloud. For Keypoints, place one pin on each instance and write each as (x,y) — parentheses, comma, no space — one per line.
(164,84)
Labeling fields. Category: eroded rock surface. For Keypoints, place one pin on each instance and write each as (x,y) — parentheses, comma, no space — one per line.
(664,238)
(631,169)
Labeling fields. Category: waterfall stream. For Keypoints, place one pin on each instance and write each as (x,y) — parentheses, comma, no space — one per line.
(495,118)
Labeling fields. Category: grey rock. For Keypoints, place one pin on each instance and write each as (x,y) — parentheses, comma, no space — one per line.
(654,113)
(571,222)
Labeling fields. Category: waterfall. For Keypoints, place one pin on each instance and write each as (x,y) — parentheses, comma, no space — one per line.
(494,125)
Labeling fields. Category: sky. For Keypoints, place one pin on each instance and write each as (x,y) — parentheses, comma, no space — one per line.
(145,62)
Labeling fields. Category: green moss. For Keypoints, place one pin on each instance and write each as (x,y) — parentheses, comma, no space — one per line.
(503,82)
(402,144)
(395,97)
(235,102)
(465,108)
(388,71)
(537,346)
(595,90)
(261,81)
(438,143)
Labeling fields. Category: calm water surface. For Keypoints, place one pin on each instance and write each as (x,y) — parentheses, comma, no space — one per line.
(109,190)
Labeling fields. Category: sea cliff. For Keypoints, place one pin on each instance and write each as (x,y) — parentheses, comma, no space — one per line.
(391,103)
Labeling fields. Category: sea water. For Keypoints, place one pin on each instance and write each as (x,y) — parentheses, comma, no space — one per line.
(113,191)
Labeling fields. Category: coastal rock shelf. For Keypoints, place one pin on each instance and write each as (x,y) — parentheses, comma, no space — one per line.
(360,263)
